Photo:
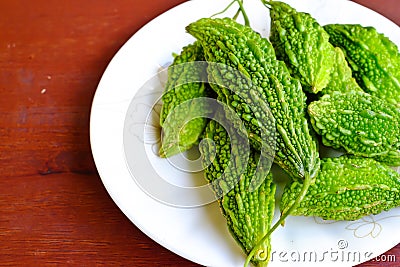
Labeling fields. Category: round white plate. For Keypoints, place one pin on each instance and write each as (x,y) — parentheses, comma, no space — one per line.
(124,134)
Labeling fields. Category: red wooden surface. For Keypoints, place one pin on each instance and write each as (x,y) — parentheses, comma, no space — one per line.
(54,208)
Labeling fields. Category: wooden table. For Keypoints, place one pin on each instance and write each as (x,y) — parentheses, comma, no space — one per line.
(54,208)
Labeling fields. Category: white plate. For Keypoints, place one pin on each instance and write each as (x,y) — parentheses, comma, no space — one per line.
(124,136)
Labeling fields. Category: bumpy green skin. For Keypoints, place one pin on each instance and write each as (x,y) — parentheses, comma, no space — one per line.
(268,99)
(362,124)
(374,59)
(303,44)
(248,210)
(347,188)
(185,82)
(341,76)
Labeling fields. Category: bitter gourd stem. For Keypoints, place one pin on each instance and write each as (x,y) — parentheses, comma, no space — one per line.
(225,9)
(306,184)
(245,17)
(241,10)
(236,14)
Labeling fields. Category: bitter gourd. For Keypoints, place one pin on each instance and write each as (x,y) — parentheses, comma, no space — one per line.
(347,188)
(263,88)
(231,171)
(374,59)
(303,44)
(186,82)
(341,76)
(362,124)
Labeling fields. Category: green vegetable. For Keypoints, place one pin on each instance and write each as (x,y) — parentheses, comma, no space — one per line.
(362,124)
(374,59)
(250,80)
(248,209)
(303,44)
(262,118)
(341,76)
(262,88)
(347,188)
(186,76)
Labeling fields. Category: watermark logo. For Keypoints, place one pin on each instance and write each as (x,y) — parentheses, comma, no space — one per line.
(342,244)
(341,253)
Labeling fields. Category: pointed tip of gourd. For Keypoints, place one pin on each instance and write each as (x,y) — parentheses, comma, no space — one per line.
(161,153)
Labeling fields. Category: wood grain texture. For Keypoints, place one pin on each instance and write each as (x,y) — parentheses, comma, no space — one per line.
(388,8)
(54,208)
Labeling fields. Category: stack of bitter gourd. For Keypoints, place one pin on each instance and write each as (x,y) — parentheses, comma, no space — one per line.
(355,112)
(264,94)
(265,82)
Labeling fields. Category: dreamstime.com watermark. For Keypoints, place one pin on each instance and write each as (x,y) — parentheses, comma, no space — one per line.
(341,253)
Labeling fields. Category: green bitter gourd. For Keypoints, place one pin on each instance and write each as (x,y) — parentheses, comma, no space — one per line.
(263,88)
(302,43)
(341,76)
(186,81)
(360,123)
(231,171)
(374,59)
(347,188)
